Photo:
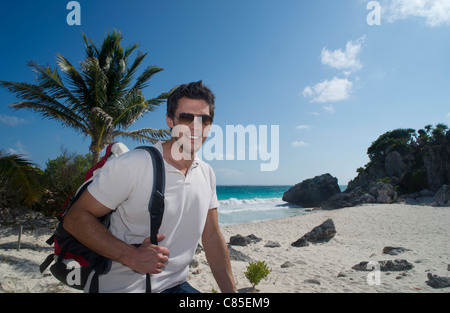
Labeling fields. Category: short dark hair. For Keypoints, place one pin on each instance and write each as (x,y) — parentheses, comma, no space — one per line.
(195,90)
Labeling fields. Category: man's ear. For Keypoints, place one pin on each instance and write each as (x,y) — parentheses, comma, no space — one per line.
(169,121)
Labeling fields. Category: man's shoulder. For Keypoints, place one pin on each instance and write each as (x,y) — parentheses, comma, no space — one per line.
(135,158)
(205,165)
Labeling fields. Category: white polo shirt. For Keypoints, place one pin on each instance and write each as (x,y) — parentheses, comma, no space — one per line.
(124,185)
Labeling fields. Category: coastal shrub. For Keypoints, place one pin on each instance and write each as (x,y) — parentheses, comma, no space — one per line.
(61,178)
(413,181)
(256,271)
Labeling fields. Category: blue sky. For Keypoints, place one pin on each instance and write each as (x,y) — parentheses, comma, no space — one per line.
(329,80)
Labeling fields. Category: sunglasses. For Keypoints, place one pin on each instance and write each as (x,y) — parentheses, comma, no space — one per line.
(188,118)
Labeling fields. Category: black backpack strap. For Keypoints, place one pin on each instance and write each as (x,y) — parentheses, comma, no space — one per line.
(156,204)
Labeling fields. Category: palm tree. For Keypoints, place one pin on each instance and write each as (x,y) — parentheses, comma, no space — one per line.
(18,176)
(100,100)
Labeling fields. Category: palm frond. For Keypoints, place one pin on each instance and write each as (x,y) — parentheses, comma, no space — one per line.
(144,135)
(39,101)
(50,81)
(76,80)
(132,108)
(96,82)
(142,80)
(22,175)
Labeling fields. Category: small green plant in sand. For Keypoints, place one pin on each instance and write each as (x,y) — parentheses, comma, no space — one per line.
(256,271)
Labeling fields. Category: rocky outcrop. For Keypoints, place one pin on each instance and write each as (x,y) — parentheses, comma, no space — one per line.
(383,192)
(442,197)
(312,192)
(436,164)
(322,233)
(346,199)
(411,161)
(379,192)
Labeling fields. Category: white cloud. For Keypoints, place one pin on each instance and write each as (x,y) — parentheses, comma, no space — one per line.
(11,120)
(344,60)
(299,144)
(19,148)
(329,108)
(448,114)
(303,127)
(337,89)
(435,12)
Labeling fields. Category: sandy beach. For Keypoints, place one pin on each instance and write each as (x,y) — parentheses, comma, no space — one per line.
(362,233)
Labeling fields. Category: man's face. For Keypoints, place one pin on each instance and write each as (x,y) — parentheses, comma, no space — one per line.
(191,124)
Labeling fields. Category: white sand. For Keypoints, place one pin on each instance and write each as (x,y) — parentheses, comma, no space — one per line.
(362,232)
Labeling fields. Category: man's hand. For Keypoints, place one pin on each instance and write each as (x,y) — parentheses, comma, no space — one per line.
(82,222)
(149,258)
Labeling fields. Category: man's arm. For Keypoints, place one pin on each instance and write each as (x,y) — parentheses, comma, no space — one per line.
(217,254)
(81,221)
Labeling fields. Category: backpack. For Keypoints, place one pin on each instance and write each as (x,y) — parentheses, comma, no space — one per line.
(73,261)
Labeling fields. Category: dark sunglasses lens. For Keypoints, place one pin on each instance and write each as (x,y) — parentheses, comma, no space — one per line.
(187,118)
(206,120)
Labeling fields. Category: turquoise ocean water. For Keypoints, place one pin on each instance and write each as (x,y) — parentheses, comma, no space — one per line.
(246,204)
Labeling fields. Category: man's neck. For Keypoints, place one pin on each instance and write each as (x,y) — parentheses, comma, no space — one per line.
(184,163)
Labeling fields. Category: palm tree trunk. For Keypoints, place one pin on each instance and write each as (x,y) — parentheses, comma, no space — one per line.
(95,150)
(95,157)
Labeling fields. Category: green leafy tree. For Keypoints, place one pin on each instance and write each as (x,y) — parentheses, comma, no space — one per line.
(399,140)
(101,100)
(61,178)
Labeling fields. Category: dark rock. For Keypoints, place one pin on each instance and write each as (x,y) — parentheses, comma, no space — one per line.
(346,199)
(321,233)
(385,266)
(253,238)
(437,281)
(238,256)
(394,250)
(302,242)
(442,196)
(194,264)
(379,192)
(312,192)
(436,162)
(383,192)
(312,281)
(287,264)
(411,201)
(272,244)
(199,249)
(240,240)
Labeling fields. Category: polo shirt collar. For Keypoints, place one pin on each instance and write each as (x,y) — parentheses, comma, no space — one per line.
(195,162)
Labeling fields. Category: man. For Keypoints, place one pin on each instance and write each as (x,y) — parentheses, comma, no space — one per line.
(124,185)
